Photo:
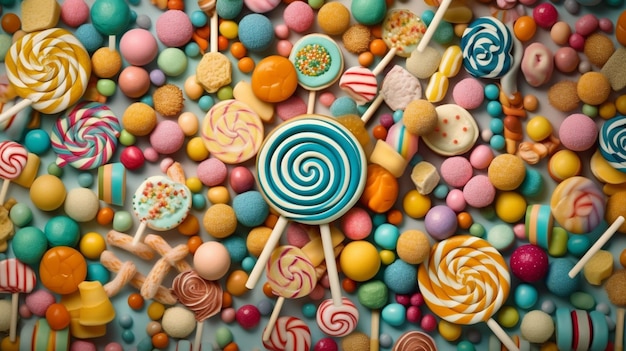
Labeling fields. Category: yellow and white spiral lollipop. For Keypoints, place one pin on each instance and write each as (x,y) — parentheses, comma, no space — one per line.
(49,69)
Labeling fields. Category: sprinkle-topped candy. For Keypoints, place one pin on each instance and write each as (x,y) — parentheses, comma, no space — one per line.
(161,203)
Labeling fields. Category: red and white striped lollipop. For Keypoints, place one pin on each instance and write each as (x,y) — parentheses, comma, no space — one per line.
(289,334)
(15,278)
(13,157)
(336,320)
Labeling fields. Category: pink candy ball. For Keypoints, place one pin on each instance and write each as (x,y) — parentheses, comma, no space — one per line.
(24,311)
(577,41)
(134,81)
(479,192)
(586,25)
(281,31)
(481,157)
(83,345)
(520,231)
(417,299)
(327,99)
(566,59)
(297,235)
(174,28)
(403,299)
(326,344)
(211,260)
(132,158)
(455,200)
(228,315)
(356,224)
(39,301)
(283,47)
(456,171)
(167,137)
(468,93)
(605,25)
(529,263)
(212,172)
(248,316)
(317,293)
(578,132)
(138,47)
(413,314)
(298,16)
(151,154)
(74,12)
(241,179)
(545,15)
(113,346)
(429,323)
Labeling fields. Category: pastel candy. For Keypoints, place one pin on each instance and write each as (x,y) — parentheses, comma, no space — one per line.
(486,45)
(337,321)
(612,140)
(456,131)
(402,31)
(112,183)
(161,203)
(399,88)
(318,61)
(451,61)
(537,64)
(261,6)
(290,273)
(423,64)
(578,205)
(289,334)
(437,87)
(360,84)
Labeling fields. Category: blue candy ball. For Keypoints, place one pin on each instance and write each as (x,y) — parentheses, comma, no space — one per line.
(400,277)
(386,236)
(236,247)
(228,9)
(89,36)
(29,245)
(256,32)
(394,314)
(558,281)
(265,307)
(110,17)
(578,245)
(250,208)
(97,272)
(85,179)
(342,106)
(533,183)
(37,141)
(526,296)
(62,231)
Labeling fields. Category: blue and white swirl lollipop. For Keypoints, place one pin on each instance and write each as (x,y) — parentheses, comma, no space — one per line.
(312,170)
(612,142)
(486,44)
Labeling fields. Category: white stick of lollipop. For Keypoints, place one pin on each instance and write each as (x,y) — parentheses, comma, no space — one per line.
(596,247)
(434,23)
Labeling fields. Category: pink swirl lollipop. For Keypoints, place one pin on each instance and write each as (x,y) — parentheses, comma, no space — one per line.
(336,320)
(289,334)
(414,341)
(201,296)
(577,204)
(13,157)
(86,138)
(360,83)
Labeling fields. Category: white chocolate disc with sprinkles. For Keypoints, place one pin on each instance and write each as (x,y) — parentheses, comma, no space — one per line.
(456,131)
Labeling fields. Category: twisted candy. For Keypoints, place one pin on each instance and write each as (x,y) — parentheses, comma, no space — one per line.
(486,45)
(337,320)
(414,341)
(289,334)
(86,138)
(51,68)
(465,280)
(311,169)
(612,142)
(203,297)
(290,273)
(577,204)
(13,157)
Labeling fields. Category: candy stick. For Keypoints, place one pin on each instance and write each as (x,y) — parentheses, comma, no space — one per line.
(619,329)
(603,239)
(214,31)
(375,330)
(271,243)
(371,109)
(434,23)
(331,264)
(267,332)
(22,104)
(13,158)
(502,335)
(16,278)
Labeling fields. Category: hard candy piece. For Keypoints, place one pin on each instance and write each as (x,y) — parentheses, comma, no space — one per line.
(599,267)
(39,15)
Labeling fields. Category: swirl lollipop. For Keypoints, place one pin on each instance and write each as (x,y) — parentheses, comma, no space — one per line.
(612,140)
(86,138)
(336,320)
(13,157)
(318,61)
(415,341)
(290,274)
(289,334)
(16,278)
(486,44)
(232,131)
(465,280)
(312,170)
(202,297)
(49,69)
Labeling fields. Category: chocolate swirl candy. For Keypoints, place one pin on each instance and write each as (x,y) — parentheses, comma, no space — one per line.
(203,297)
(311,169)
(486,45)
(414,341)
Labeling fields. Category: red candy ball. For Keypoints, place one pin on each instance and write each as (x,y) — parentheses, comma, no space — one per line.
(248,316)
(545,15)
(326,344)
(241,179)
(428,323)
(413,314)
(132,158)
(529,263)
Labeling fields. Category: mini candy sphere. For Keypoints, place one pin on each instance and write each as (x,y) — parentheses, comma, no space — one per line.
(416,205)
(386,236)
(138,46)
(178,322)
(356,224)
(122,221)
(538,128)
(508,316)
(21,215)
(558,281)
(229,29)
(47,192)
(537,326)
(58,316)
(29,244)
(250,208)
(218,195)
(110,17)
(510,206)
(37,141)
(256,32)
(413,246)
(92,244)
(506,172)
(132,158)
(106,63)
(578,132)
(298,16)
(394,314)
(545,15)
(525,28)
(526,296)
(248,316)
(62,231)
(134,81)
(81,204)
(211,260)
(428,323)
(212,172)
(38,301)
(529,263)
(97,272)
(564,164)
(172,61)
(449,331)
(400,277)
(236,283)
(174,28)
(326,344)
(440,222)
(566,59)
(188,123)
(196,150)
(359,260)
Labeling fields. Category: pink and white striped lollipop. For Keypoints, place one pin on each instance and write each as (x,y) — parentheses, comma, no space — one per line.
(15,278)
(289,334)
(13,157)
(85,138)
(336,320)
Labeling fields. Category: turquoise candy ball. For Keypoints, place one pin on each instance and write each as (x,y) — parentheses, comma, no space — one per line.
(368,12)
(400,277)
(533,183)
(248,263)
(492,92)
(29,245)
(89,36)
(394,314)
(228,9)
(236,247)
(256,32)
(37,141)
(444,34)
(97,272)
(558,281)
(62,231)
(110,17)
(85,180)
(309,310)
(21,215)
(578,245)
(386,236)
(144,345)
(250,208)
(427,16)
(342,106)
(526,296)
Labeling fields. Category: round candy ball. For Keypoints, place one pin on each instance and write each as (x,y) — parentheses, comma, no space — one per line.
(456,171)
(529,263)
(241,179)
(74,12)
(298,16)
(256,32)
(47,192)
(167,137)
(526,296)
(413,246)
(178,322)
(138,47)
(537,326)
(248,316)
(29,245)
(220,221)
(468,93)
(62,231)
(400,277)
(506,172)
(134,81)
(420,117)
(174,28)
(333,18)
(250,208)
(359,260)
(81,204)
(578,132)
(110,17)
(38,301)
(212,172)
(558,281)
(211,260)
(440,222)
(61,269)
(356,224)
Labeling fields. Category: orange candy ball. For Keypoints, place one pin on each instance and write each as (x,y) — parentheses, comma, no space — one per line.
(464,220)
(135,301)
(378,47)
(57,316)
(348,285)
(227,299)
(193,243)
(231,347)
(379,132)
(105,216)
(61,269)
(366,59)
(395,217)
(222,43)
(525,28)
(190,226)
(236,283)
(11,23)
(245,64)
(267,290)
(622,258)
(160,341)
(238,50)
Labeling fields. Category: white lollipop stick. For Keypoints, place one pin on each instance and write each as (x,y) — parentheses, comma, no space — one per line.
(619,329)
(4,190)
(310,107)
(273,318)
(331,264)
(112,42)
(500,334)
(375,330)
(385,61)
(596,247)
(256,272)
(432,27)
(198,340)
(214,29)
(139,232)
(372,108)
(22,104)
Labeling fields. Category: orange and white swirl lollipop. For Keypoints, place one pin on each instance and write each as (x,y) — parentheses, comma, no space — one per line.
(49,69)
(465,280)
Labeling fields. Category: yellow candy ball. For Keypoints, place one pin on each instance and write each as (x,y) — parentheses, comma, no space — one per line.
(549,346)
(387,257)
(47,192)
(91,245)
(538,128)
(194,184)
(7,345)
(193,89)
(607,110)
(156,310)
(510,206)
(508,316)
(415,204)
(218,195)
(359,260)
(620,104)
(449,331)
(229,29)
(564,164)
(196,149)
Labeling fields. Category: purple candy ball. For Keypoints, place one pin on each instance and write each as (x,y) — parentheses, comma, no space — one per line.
(440,222)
